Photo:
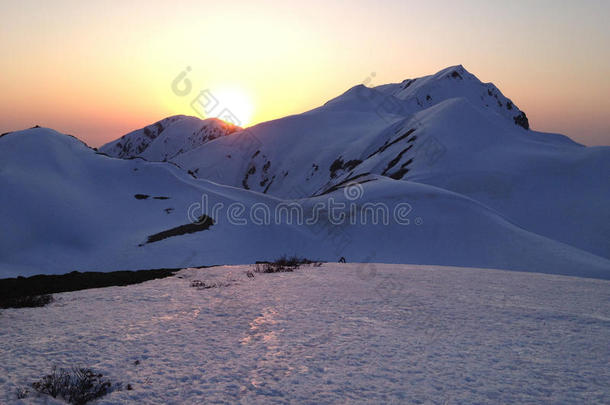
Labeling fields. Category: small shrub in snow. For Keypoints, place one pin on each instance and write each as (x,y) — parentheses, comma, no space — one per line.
(264,268)
(76,386)
(201,285)
(197,284)
(22,393)
(281,265)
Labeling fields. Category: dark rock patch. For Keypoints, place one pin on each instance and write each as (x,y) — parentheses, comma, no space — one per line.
(522,120)
(408,83)
(203,223)
(13,288)
(387,144)
(456,75)
(336,166)
(394,161)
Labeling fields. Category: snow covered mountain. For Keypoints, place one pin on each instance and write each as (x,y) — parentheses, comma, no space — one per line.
(471,184)
(448,130)
(168,138)
(362,131)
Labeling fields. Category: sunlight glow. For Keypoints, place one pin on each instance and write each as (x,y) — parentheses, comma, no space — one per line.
(289,57)
(235,105)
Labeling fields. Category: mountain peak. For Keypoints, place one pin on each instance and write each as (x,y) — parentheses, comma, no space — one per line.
(168,137)
(454,72)
(455,82)
(414,95)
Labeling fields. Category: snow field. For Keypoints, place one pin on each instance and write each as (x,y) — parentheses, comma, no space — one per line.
(368,333)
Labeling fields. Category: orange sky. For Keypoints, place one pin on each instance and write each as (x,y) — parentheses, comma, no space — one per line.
(98,71)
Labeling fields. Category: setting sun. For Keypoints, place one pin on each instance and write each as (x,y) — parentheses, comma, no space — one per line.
(234,105)
(229,103)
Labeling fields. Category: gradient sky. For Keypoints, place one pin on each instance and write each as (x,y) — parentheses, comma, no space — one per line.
(99,70)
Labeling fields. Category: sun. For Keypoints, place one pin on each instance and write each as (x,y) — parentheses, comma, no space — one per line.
(234,105)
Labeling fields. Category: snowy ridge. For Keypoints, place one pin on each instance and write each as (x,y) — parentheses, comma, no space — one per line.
(70,208)
(452,82)
(482,191)
(167,138)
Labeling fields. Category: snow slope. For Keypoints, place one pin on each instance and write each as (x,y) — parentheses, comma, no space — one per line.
(472,186)
(541,182)
(70,208)
(362,333)
(167,138)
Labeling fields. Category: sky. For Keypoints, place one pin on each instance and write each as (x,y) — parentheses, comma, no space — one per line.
(98,70)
